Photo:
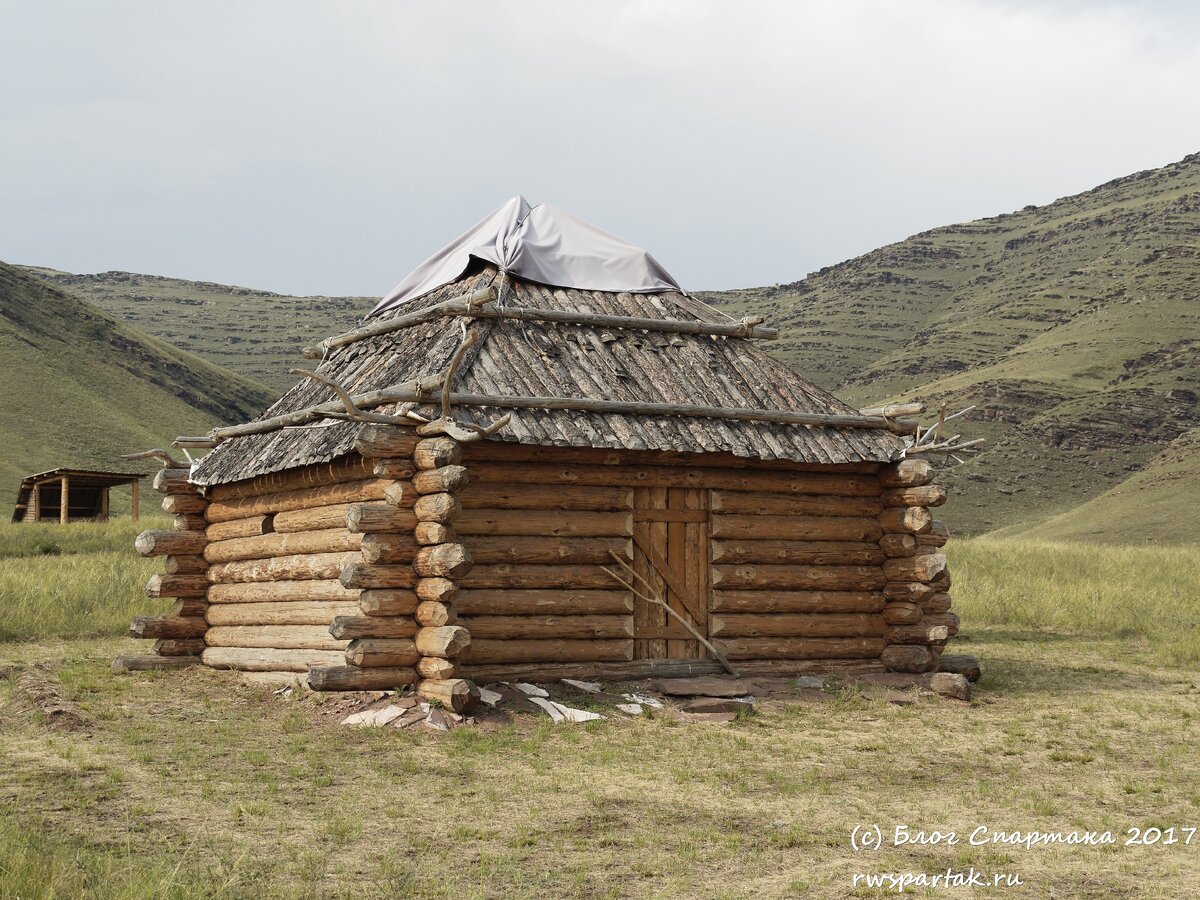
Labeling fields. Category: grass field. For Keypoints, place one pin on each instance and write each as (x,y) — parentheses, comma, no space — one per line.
(193,785)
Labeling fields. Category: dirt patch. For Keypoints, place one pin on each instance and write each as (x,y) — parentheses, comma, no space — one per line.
(38,688)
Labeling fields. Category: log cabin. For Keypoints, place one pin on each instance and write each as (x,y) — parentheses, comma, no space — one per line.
(522,466)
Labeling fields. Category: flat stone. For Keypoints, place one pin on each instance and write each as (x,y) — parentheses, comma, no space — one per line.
(961,664)
(813,682)
(715,705)
(950,684)
(710,718)
(703,686)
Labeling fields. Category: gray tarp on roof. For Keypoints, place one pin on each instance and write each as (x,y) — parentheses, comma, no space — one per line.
(542,244)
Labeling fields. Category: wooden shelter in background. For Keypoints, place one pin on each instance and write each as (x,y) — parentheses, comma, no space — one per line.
(71,495)
(501,480)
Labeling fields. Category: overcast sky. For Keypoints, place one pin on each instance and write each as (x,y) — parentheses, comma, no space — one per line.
(321,147)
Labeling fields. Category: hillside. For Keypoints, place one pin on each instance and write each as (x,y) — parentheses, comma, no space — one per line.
(257,334)
(1154,505)
(1074,326)
(82,388)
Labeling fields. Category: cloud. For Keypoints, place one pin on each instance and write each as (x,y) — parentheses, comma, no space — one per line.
(313,147)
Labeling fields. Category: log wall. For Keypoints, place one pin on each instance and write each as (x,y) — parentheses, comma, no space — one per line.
(419,561)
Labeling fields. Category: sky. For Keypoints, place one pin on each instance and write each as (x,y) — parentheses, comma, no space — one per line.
(327,148)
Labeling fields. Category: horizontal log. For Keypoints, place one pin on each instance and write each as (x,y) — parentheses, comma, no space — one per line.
(427,533)
(174,481)
(184,504)
(376,518)
(303,498)
(376,440)
(908,658)
(820,553)
(151,663)
(179,646)
(280,591)
(172,543)
(544,523)
(490,652)
(937,536)
(508,575)
(454,694)
(375,652)
(343,469)
(189,606)
(758,504)
(442,561)
(601,671)
(781,482)
(442,508)
(489,550)
(280,637)
(353,678)
(942,582)
(902,613)
(798,601)
(906,473)
(548,627)
(189,522)
(925,568)
(431,613)
(443,479)
(398,469)
(262,659)
(387,549)
(800,647)
(891,410)
(796,528)
(898,544)
(285,568)
(185,565)
(295,612)
(387,602)
(543,602)
(316,518)
(435,452)
(911,519)
(176,586)
(401,494)
(167,627)
(349,627)
(252,526)
(929,629)
(330,540)
(441,590)
(444,641)
(927,495)
(936,603)
(367,577)
(438,669)
(593,498)
(848,578)
(794,667)
(797,625)
(907,591)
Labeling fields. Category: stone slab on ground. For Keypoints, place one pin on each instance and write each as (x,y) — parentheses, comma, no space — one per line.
(703,686)
(961,664)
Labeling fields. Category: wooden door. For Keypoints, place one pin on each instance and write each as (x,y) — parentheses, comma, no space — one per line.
(670,551)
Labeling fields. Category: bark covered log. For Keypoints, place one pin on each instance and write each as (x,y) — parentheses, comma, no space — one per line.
(820,553)
(279,637)
(296,612)
(376,652)
(387,602)
(490,652)
(350,627)
(446,641)
(548,627)
(442,561)
(300,567)
(353,678)
(176,586)
(479,602)
(848,578)
(367,577)
(290,501)
(331,540)
(388,549)
(754,504)
(796,528)
(377,440)
(595,498)
(801,648)
(906,473)
(797,625)
(522,576)
(928,495)
(435,452)
(902,613)
(179,646)
(454,694)
(924,568)
(543,523)
(372,518)
(899,544)
(431,613)
(443,508)
(543,550)
(174,543)
(167,627)
(910,519)
(908,658)
(448,479)
(280,591)
(771,602)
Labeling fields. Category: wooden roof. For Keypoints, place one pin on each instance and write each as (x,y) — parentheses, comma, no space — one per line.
(85,478)
(569,360)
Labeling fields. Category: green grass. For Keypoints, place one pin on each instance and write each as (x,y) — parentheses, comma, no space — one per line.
(1145,595)
(70,581)
(193,784)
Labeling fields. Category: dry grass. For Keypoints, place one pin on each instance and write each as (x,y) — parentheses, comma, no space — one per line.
(193,785)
